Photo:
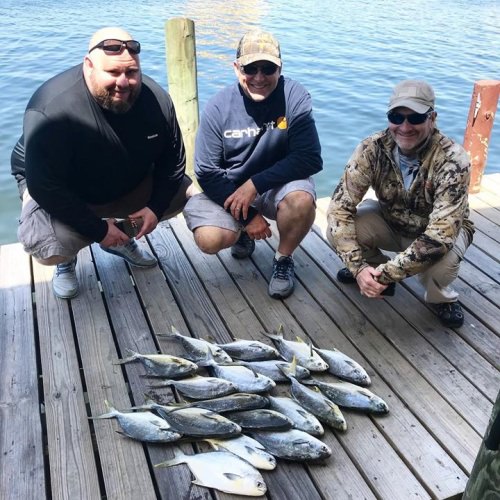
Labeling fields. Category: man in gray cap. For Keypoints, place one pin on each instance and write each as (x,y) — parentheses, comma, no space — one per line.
(256,150)
(421,179)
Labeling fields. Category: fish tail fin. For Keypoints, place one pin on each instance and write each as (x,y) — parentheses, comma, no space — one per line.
(110,414)
(179,458)
(132,356)
(277,335)
(172,335)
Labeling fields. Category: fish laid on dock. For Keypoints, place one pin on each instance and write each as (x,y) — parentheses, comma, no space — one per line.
(245,379)
(300,417)
(249,350)
(199,387)
(344,367)
(142,426)
(196,349)
(246,448)
(271,368)
(221,470)
(303,352)
(233,402)
(262,419)
(161,365)
(292,445)
(194,422)
(351,396)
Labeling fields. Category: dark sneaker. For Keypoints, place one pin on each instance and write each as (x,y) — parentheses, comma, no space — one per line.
(345,276)
(450,314)
(282,283)
(244,247)
(133,254)
(65,282)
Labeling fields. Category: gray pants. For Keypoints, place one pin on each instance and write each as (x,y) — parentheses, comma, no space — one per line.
(44,237)
(374,234)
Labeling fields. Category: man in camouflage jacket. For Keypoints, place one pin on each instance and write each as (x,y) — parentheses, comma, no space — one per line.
(421,179)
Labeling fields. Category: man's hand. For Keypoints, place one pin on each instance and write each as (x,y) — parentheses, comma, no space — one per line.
(368,284)
(241,199)
(147,218)
(114,236)
(258,228)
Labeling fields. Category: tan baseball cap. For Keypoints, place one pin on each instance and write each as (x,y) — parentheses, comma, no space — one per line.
(258,46)
(414,94)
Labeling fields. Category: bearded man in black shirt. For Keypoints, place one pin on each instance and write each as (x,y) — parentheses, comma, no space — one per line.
(100,143)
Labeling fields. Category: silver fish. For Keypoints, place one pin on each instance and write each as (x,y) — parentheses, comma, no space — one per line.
(271,369)
(199,387)
(292,445)
(301,418)
(221,470)
(195,422)
(144,426)
(161,365)
(245,379)
(344,367)
(196,349)
(246,448)
(249,350)
(304,353)
(262,419)
(233,402)
(351,396)
(318,404)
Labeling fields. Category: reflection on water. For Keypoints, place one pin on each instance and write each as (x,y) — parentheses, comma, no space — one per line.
(348,55)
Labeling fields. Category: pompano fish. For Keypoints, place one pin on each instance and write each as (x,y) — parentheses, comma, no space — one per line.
(221,470)
(161,365)
(143,426)
(249,350)
(196,349)
(300,417)
(262,419)
(245,379)
(318,404)
(344,367)
(351,396)
(271,368)
(196,422)
(199,387)
(303,352)
(292,445)
(233,402)
(246,448)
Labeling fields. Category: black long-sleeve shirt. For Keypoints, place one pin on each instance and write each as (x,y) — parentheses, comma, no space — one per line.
(73,152)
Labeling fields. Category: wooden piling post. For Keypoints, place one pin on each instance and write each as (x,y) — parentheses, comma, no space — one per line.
(479,124)
(182,81)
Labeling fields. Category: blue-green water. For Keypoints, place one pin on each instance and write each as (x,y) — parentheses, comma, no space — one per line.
(347,53)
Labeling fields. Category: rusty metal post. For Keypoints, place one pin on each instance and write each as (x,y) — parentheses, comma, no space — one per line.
(479,124)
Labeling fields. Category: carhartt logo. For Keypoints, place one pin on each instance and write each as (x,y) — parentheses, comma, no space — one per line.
(152,136)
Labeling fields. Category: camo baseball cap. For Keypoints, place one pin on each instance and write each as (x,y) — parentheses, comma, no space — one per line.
(414,94)
(258,46)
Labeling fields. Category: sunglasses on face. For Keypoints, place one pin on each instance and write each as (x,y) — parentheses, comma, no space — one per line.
(253,69)
(413,118)
(112,46)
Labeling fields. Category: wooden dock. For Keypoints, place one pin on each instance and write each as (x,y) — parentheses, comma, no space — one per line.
(56,366)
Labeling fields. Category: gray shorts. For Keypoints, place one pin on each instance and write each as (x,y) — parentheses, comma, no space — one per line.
(43,236)
(200,210)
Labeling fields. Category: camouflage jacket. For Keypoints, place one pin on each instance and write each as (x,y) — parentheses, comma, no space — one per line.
(431,211)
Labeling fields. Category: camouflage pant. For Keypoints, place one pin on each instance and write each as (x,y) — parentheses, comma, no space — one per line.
(374,234)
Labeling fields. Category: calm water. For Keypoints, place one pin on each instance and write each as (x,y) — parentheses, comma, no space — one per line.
(347,53)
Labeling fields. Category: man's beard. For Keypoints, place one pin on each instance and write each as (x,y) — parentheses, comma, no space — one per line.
(105,99)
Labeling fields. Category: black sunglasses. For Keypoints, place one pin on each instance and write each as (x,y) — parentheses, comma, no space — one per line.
(114,46)
(252,69)
(413,118)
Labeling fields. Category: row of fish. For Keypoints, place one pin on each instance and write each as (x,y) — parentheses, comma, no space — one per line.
(262,358)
